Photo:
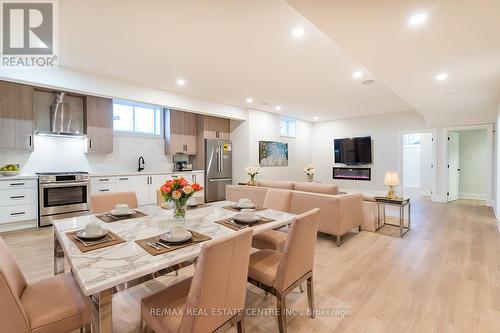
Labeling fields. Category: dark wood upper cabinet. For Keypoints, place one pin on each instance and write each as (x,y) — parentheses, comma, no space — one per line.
(99,124)
(16,116)
(180,132)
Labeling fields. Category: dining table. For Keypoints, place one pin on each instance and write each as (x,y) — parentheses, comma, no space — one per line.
(102,272)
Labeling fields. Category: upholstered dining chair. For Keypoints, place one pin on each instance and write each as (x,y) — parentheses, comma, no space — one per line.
(276,199)
(210,300)
(102,203)
(53,305)
(278,273)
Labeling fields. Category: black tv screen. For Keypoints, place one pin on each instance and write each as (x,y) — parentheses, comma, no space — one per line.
(353,150)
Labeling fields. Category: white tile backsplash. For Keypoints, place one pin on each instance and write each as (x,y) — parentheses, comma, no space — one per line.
(66,154)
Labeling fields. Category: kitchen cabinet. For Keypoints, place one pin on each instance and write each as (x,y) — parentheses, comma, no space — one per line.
(123,184)
(144,186)
(180,132)
(141,186)
(209,128)
(16,116)
(18,204)
(99,124)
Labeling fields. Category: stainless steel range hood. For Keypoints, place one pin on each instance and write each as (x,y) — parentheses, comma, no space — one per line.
(66,116)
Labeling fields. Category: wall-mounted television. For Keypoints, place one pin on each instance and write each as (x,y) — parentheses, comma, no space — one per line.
(353,151)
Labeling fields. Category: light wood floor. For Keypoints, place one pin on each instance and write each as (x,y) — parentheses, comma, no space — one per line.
(444,276)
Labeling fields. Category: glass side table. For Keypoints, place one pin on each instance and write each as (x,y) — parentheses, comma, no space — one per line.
(398,202)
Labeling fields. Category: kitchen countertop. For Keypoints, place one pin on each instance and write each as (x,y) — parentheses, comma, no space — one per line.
(18,177)
(142,173)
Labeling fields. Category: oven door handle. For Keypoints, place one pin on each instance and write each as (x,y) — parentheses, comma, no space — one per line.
(63,185)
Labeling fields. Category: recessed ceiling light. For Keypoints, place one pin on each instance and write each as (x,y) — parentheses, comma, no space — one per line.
(357,74)
(181,82)
(249,100)
(316,118)
(298,32)
(441,76)
(417,19)
(277,108)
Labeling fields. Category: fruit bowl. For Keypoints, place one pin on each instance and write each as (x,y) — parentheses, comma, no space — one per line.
(10,170)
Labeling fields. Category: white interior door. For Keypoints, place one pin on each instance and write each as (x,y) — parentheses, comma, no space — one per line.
(453,165)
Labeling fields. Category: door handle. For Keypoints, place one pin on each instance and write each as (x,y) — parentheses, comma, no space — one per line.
(219,180)
(17,197)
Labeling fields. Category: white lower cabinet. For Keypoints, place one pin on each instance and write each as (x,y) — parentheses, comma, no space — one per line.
(140,185)
(122,184)
(18,204)
(144,186)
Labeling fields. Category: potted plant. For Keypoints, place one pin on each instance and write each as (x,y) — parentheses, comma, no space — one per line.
(309,171)
(179,191)
(252,171)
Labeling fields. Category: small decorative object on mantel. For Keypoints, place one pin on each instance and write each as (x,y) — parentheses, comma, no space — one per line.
(252,171)
(309,171)
(179,191)
(391,179)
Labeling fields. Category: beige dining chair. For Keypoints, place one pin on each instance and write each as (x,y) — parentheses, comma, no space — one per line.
(278,273)
(53,305)
(276,199)
(102,203)
(210,300)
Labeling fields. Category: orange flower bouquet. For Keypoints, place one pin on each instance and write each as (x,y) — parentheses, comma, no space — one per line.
(178,191)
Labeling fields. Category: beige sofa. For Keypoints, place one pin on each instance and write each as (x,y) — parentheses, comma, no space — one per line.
(340,213)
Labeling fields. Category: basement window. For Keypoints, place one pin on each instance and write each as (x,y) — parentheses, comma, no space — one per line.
(136,118)
(287,127)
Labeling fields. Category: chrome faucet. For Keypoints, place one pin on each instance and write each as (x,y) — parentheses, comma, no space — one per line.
(141,164)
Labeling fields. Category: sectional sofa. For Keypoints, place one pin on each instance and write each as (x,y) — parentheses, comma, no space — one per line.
(339,214)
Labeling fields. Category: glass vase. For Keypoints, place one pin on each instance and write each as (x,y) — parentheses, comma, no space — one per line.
(180,207)
(310,178)
(252,180)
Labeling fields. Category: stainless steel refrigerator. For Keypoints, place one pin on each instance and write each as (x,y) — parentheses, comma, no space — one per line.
(218,169)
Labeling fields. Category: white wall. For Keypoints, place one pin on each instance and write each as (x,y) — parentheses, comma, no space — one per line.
(385,131)
(264,126)
(473,164)
(66,154)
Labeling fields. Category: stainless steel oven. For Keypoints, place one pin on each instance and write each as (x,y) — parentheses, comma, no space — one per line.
(62,195)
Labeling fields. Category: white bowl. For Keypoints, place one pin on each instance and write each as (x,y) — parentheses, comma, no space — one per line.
(10,173)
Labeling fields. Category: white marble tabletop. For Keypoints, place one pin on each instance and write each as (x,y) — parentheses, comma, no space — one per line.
(105,268)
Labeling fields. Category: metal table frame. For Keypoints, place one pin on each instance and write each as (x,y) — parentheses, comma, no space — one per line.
(401,204)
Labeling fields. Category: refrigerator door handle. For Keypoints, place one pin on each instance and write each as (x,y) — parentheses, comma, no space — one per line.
(219,180)
(221,155)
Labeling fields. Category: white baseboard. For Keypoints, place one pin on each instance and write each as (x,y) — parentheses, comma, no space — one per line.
(439,198)
(472,196)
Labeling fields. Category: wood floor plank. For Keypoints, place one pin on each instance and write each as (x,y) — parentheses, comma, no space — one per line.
(443,276)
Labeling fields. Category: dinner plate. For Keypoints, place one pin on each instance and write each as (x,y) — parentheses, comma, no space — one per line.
(238,218)
(84,235)
(115,213)
(167,238)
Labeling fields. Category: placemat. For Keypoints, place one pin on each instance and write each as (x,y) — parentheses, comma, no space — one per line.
(229,223)
(237,210)
(110,240)
(200,205)
(197,238)
(110,218)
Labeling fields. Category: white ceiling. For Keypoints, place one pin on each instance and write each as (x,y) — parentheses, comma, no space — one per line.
(226,50)
(461,38)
